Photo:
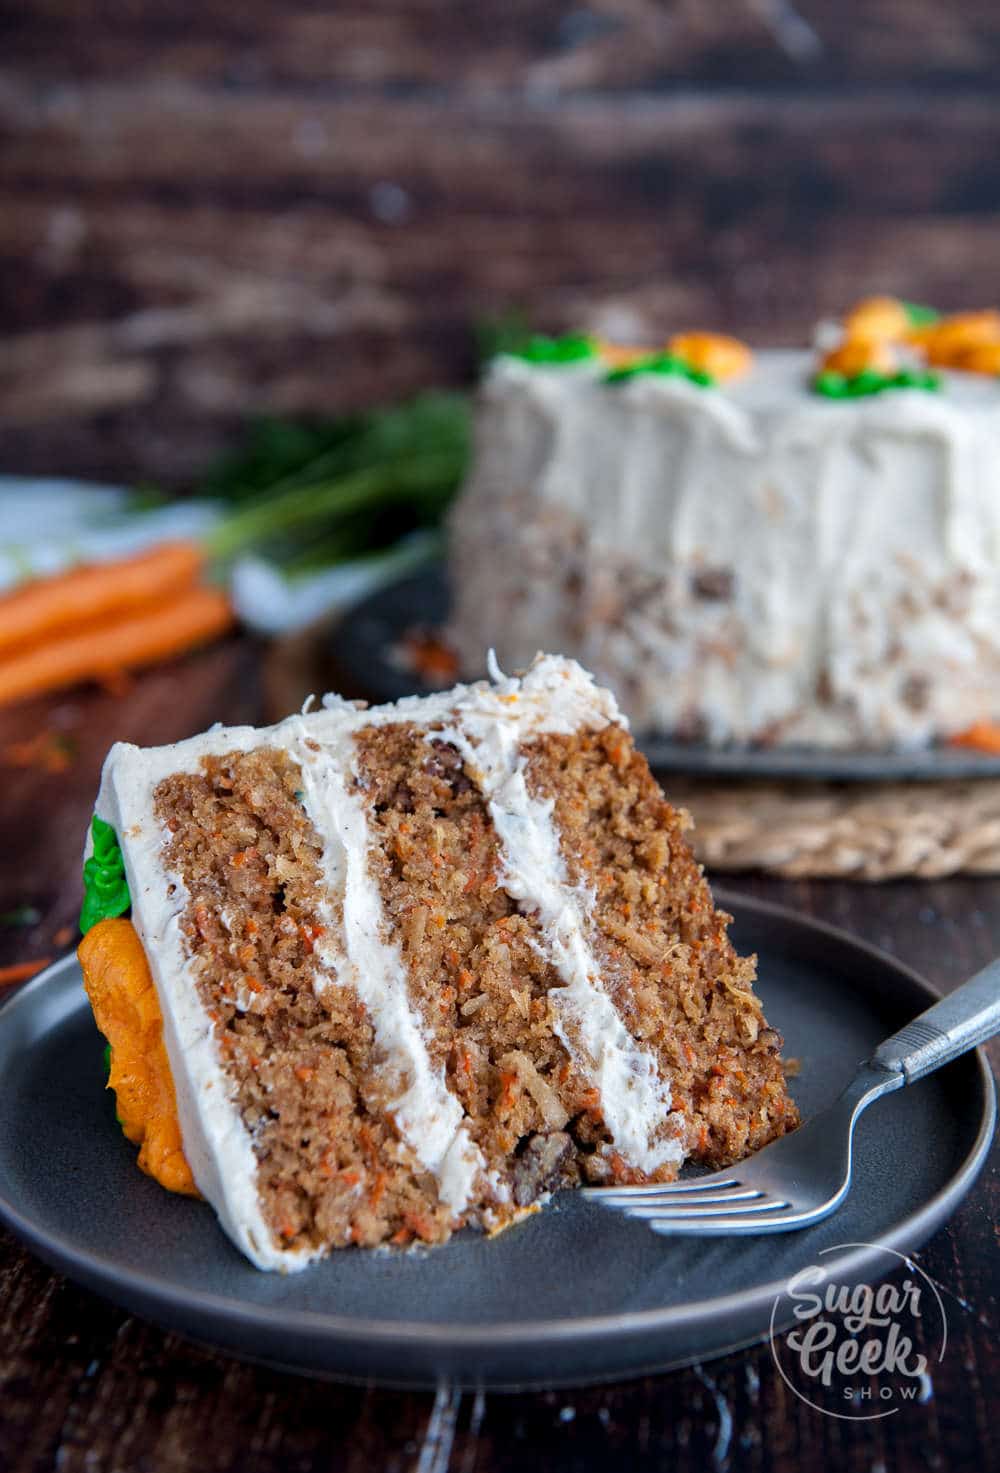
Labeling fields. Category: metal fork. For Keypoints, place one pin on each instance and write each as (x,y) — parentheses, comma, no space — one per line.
(805,1176)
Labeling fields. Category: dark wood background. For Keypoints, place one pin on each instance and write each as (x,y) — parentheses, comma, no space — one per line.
(208,209)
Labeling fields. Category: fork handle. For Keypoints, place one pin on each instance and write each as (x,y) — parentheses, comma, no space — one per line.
(967,1016)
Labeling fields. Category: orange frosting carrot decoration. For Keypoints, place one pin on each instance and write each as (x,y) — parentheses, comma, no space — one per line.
(38,609)
(984,736)
(621,355)
(860,355)
(981,358)
(878,319)
(946,342)
(103,648)
(117,979)
(712,352)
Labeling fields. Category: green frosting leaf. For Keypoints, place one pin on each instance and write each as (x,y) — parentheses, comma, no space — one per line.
(668,365)
(919,315)
(831,385)
(836,386)
(104,885)
(573,348)
(868,381)
(915,378)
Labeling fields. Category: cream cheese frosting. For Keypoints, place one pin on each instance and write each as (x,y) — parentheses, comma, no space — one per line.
(427,1115)
(745,563)
(217,1145)
(488,723)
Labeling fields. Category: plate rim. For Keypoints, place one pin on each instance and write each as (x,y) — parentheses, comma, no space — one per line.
(98,1272)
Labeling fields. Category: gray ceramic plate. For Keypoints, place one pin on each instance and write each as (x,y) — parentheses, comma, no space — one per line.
(574,1294)
(366,644)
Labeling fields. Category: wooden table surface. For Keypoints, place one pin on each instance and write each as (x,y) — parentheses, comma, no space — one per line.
(84,1386)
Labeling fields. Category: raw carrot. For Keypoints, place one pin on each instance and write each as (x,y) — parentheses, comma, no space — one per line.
(103,648)
(984,736)
(62,603)
(21,971)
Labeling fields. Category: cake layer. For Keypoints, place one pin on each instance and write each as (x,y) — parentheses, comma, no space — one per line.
(748,562)
(419,964)
(297,1043)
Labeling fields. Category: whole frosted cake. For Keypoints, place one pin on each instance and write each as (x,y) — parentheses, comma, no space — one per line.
(370,976)
(789,547)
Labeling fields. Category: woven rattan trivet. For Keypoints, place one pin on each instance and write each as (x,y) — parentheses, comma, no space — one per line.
(865,832)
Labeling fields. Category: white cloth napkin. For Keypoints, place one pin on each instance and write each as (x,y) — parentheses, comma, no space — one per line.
(48,525)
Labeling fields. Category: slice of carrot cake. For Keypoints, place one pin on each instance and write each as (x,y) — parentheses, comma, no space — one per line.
(392,972)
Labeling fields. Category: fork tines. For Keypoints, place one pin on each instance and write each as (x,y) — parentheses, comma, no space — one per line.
(705,1206)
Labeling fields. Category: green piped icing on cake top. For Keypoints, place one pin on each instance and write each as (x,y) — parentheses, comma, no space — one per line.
(105,888)
(837,386)
(919,315)
(572,348)
(668,365)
